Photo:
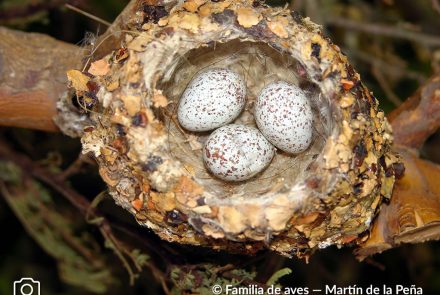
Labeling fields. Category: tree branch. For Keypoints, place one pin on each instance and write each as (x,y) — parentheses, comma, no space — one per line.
(418,117)
(384,30)
(413,215)
(32,78)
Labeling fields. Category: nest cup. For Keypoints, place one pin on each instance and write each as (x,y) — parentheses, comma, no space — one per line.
(327,195)
(259,65)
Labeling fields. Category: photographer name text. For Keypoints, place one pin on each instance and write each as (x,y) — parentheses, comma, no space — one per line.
(328,290)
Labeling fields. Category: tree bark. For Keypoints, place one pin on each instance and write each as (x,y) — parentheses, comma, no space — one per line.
(418,117)
(33,77)
(413,215)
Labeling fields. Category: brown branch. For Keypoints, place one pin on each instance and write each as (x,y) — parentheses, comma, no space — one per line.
(436,5)
(413,215)
(32,78)
(386,87)
(28,10)
(384,30)
(33,72)
(76,166)
(385,67)
(418,117)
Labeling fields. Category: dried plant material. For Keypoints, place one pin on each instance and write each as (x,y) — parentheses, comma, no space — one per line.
(107,177)
(133,70)
(164,202)
(112,85)
(163,22)
(255,215)
(208,25)
(326,195)
(185,20)
(347,101)
(120,55)
(277,214)
(347,84)
(137,204)
(214,7)
(78,80)
(212,232)
(193,5)
(132,104)
(145,27)
(248,17)
(159,100)
(109,154)
(202,210)
(231,219)
(99,68)
(278,26)
(139,43)
(194,142)
(308,218)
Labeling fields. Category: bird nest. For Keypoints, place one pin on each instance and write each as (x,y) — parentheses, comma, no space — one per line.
(154,168)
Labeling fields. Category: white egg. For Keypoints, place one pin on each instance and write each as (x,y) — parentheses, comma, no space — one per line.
(214,98)
(237,152)
(284,116)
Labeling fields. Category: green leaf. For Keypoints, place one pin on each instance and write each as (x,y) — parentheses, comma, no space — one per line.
(278,275)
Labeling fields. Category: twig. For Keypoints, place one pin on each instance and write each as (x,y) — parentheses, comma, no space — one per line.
(80,249)
(113,243)
(384,30)
(31,9)
(436,5)
(89,15)
(418,117)
(75,167)
(386,87)
(76,199)
(387,68)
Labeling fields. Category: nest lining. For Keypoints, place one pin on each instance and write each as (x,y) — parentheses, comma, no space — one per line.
(259,65)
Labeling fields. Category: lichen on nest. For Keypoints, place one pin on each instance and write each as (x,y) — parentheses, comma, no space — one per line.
(327,195)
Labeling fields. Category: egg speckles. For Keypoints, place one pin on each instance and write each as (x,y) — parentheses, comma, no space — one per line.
(284,116)
(214,98)
(237,152)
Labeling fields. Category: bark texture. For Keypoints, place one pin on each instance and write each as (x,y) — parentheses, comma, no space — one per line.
(32,78)
(413,215)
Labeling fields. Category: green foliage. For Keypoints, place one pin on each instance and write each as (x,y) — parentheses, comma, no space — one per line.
(278,275)
(9,172)
(58,233)
(140,259)
(199,279)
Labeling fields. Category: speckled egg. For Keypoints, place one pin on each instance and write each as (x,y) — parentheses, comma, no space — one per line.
(284,116)
(214,98)
(237,152)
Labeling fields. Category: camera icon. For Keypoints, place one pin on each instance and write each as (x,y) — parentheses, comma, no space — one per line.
(26,286)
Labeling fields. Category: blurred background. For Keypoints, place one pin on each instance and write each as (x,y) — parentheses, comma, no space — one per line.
(394,45)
